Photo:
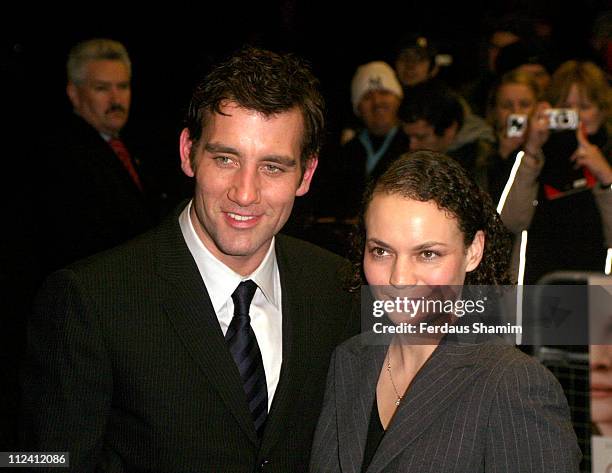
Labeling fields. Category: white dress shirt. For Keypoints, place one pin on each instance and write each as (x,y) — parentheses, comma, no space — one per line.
(266,307)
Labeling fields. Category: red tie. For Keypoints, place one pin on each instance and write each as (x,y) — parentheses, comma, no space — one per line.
(124,156)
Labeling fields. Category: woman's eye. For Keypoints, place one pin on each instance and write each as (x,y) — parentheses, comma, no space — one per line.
(429,254)
(378,252)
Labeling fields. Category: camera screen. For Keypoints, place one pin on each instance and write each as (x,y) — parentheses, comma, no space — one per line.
(516,125)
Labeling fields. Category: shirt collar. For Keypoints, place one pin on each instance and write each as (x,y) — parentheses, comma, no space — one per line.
(220,280)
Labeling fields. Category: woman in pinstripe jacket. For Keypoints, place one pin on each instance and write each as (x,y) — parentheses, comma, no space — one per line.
(437,405)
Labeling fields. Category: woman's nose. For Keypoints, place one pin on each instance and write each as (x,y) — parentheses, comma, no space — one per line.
(402,275)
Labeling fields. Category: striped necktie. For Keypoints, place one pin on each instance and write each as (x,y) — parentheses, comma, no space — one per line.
(242,344)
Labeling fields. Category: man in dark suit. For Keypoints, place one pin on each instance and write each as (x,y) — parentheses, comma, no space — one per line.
(202,345)
(92,193)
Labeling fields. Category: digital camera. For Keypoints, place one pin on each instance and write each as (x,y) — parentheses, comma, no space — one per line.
(516,125)
(562,118)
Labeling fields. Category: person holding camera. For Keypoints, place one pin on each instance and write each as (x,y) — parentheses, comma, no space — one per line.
(511,103)
(562,190)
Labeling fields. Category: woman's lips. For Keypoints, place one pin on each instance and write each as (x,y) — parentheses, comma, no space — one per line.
(599,391)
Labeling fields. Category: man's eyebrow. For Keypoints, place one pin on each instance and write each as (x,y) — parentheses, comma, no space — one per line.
(219,148)
(282,160)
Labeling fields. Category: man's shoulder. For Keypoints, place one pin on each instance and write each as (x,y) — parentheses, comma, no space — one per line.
(71,130)
(142,251)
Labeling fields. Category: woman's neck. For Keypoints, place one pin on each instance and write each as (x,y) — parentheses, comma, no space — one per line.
(409,358)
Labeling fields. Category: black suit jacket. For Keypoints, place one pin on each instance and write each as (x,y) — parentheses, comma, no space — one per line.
(128,369)
(85,200)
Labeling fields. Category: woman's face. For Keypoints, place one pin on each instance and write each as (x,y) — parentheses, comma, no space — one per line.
(513,99)
(591,116)
(601,383)
(415,243)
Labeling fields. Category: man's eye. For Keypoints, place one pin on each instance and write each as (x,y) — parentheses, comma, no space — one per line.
(272,169)
(223,160)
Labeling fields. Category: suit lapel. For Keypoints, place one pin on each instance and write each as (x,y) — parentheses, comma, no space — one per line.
(360,377)
(438,384)
(296,346)
(188,306)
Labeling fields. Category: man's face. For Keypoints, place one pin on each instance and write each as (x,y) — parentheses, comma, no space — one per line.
(413,68)
(378,110)
(103,98)
(248,173)
(423,136)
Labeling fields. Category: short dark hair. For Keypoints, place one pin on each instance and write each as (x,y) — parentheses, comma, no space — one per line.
(267,83)
(430,176)
(434,104)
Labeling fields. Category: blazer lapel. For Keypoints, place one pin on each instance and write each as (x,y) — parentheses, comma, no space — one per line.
(360,377)
(296,346)
(439,382)
(188,306)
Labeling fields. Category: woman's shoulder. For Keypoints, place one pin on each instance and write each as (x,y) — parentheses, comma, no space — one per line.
(507,361)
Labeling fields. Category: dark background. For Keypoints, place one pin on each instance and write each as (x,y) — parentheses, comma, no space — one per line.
(174,44)
(171,46)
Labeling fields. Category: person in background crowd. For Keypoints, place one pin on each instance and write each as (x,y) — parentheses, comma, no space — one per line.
(415,61)
(93,192)
(562,190)
(529,58)
(516,94)
(376,95)
(433,119)
(500,33)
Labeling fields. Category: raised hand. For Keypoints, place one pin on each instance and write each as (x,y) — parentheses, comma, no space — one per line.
(591,157)
(537,134)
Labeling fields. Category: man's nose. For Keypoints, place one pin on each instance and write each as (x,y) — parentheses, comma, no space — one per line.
(245,188)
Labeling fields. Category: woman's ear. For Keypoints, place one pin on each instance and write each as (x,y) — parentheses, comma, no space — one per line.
(475,251)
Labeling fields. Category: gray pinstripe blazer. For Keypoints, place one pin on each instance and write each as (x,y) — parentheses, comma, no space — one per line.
(483,407)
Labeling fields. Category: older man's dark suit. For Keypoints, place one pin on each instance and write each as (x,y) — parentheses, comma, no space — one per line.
(85,199)
(129,371)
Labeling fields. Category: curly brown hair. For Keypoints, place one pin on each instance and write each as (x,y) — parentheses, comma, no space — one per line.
(267,83)
(430,176)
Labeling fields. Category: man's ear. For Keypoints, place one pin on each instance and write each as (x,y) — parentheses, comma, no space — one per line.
(185,149)
(311,166)
(73,94)
(475,251)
